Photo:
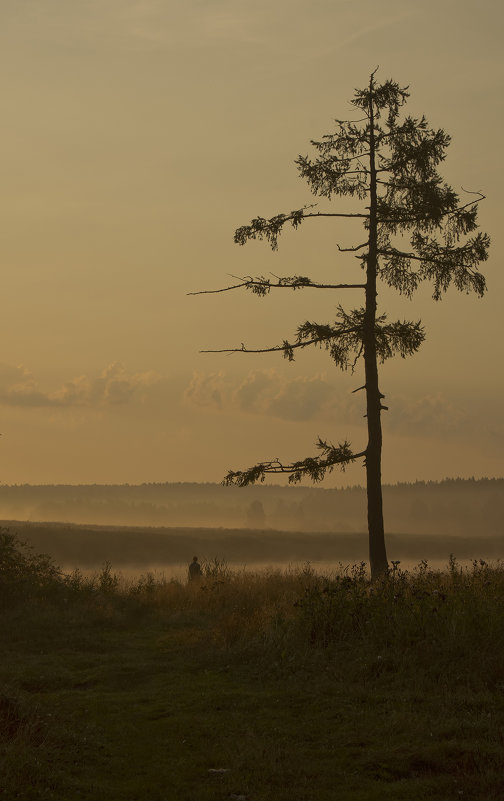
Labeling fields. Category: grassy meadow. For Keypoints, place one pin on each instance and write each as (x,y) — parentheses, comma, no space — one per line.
(282,685)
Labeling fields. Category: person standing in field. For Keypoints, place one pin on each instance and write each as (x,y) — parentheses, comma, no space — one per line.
(194,569)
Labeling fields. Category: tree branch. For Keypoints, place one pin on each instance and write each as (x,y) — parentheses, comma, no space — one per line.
(315,467)
(352,250)
(451,213)
(332,214)
(450,257)
(342,158)
(286,346)
(480,197)
(269,229)
(258,284)
(404,254)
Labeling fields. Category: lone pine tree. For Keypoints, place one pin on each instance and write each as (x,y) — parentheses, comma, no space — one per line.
(390,163)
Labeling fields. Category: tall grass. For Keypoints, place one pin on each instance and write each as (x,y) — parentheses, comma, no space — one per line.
(445,625)
(437,622)
(392,685)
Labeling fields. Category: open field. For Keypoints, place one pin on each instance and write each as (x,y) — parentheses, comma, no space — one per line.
(161,548)
(274,685)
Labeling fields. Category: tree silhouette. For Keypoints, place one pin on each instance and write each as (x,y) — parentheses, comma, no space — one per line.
(390,163)
(255,517)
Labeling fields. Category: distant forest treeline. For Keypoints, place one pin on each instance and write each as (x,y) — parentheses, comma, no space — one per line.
(453,507)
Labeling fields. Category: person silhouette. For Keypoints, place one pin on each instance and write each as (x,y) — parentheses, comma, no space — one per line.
(194,569)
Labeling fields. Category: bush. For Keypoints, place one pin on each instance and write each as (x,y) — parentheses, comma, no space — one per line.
(449,623)
(25,575)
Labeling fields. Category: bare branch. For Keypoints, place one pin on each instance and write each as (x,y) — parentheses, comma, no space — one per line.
(223,289)
(332,214)
(481,197)
(285,346)
(472,192)
(351,250)
(359,353)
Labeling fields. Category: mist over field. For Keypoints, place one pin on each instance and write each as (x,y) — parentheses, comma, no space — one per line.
(154,525)
(450,507)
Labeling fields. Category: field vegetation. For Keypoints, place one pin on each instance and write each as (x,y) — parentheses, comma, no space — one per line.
(161,549)
(282,685)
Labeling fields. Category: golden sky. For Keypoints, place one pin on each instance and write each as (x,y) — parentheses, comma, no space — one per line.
(137,135)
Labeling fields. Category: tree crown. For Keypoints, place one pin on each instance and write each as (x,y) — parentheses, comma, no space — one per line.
(412,197)
(389,162)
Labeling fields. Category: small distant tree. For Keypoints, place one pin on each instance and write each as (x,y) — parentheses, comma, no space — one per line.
(390,163)
(256,517)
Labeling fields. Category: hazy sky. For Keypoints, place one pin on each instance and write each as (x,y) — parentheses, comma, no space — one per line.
(137,135)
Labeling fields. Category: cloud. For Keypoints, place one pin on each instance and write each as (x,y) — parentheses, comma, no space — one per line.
(300,398)
(432,412)
(439,417)
(264,392)
(113,387)
(269,393)
(207,390)
(13,375)
(19,388)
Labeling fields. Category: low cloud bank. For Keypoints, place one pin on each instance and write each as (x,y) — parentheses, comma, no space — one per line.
(271,394)
(264,392)
(114,386)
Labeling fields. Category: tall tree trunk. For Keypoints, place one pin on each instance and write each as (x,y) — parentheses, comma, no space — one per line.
(377,550)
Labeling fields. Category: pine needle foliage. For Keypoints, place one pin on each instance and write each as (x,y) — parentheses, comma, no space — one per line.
(389,161)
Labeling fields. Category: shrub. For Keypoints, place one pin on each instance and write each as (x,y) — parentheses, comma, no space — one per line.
(25,575)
